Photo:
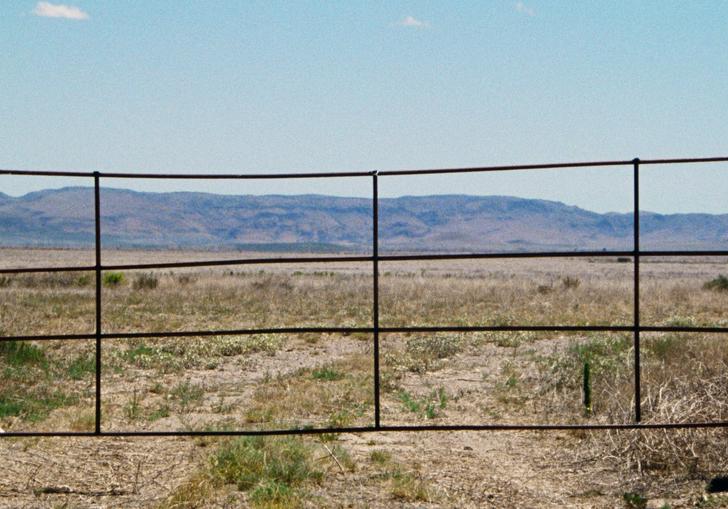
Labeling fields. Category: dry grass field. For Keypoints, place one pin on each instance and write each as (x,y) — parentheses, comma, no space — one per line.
(271,381)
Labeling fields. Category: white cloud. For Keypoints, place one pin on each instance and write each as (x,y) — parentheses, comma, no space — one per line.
(410,21)
(524,9)
(49,10)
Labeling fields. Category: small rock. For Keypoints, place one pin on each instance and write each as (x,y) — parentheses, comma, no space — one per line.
(468,448)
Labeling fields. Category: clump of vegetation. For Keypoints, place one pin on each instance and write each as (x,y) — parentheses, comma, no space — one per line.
(175,355)
(300,398)
(439,346)
(410,487)
(379,456)
(162,411)
(425,353)
(719,284)
(590,378)
(509,390)
(187,394)
(133,408)
(84,280)
(81,367)
(570,283)
(47,280)
(327,373)
(34,406)
(544,289)
(634,500)
(605,355)
(404,485)
(179,398)
(694,452)
(683,381)
(273,471)
(146,281)
(186,279)
(113,279)
(429,406)
(21,353)
(29,376)
(511,339)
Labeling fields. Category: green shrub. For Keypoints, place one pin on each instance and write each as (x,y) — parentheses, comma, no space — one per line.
(20,353)
(81,366)
(409,402)
(34,406)
(113,279)
(380,456)
(275,494)
(428,406)
(271,469)
(634,500)
(327,373)
(719,284)
(84,280)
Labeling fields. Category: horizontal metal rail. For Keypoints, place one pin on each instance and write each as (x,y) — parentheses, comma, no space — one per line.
(413,329)
(376,329)
(364,258)
(551,166)
(382,173)
(376,429)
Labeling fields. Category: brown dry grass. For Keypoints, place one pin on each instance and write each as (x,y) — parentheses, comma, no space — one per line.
(266,381)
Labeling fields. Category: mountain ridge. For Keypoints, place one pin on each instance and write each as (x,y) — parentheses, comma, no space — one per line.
(454,222)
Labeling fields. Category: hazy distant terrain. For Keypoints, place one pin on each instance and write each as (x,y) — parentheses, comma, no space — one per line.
(64,217)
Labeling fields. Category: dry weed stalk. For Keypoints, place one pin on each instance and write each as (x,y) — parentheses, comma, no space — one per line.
(694,452)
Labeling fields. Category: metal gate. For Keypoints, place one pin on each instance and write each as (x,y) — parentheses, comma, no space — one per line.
(636,328)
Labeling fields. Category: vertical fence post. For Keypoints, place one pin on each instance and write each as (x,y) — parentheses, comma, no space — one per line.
(636,317)
(97,224)
(375,294)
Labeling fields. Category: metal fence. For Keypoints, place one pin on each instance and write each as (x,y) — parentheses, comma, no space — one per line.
(636,328)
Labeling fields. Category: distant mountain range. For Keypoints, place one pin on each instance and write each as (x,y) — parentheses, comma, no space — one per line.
(458,223)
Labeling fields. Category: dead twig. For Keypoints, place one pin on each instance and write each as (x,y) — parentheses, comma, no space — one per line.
(331,453)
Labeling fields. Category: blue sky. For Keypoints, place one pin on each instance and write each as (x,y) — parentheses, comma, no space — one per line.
(231,86)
